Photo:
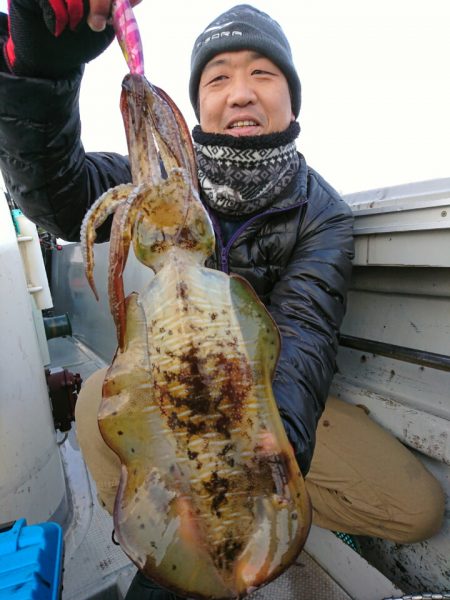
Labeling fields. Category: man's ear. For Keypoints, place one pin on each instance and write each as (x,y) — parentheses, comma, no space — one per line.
(292,117)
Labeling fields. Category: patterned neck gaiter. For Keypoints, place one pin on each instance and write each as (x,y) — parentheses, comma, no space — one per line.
(241,176)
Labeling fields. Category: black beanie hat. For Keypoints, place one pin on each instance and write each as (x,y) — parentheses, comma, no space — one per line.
(244,28)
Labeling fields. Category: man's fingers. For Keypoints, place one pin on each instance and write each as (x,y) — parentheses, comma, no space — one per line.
(100,11)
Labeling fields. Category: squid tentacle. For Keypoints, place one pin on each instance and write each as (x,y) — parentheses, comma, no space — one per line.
(121,235)
(181,137)
(104,206)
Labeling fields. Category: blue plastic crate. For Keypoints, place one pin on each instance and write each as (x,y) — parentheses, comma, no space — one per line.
(31,561)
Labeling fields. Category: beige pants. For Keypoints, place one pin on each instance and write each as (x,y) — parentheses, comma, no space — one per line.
(362,479)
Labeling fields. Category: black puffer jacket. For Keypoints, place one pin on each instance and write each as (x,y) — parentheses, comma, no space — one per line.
(297,255)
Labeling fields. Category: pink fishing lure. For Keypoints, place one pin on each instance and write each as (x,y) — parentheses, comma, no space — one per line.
(128,36)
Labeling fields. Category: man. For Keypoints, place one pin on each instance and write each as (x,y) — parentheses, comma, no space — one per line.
(278,224)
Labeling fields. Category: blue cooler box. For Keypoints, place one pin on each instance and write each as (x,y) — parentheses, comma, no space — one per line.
(31,561)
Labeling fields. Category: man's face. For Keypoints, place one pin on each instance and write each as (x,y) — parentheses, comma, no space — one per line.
(243,93)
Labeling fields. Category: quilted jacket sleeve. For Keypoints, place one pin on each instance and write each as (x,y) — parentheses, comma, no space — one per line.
(43,163)
(308,305)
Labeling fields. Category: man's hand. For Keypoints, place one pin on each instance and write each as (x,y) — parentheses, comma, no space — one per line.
(50,38)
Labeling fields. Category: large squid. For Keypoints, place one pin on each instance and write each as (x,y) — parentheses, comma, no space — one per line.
(211,502)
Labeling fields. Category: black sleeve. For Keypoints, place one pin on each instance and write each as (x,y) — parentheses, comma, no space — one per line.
(42,159)
(308,305)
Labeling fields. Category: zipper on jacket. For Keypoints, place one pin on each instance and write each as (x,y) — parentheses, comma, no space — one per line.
(221,254)
(225,250)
